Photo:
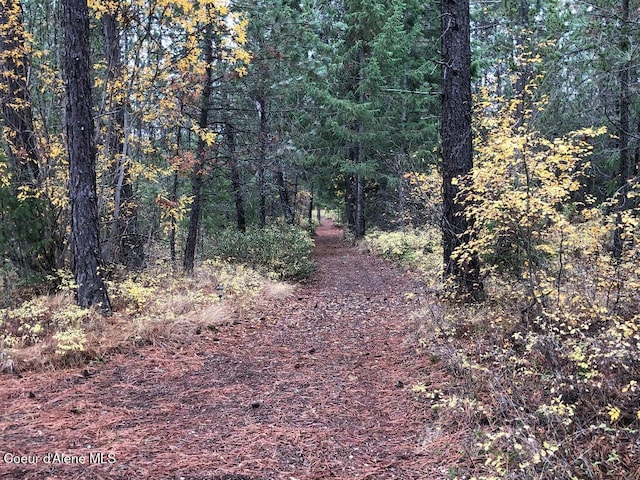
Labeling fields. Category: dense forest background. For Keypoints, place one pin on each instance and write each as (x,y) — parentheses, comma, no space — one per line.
(210,116)
(167,136)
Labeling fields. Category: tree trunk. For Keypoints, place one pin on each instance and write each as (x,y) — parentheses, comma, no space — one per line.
(359,156)
(283,193)
(457,159)
(350,203)
(15,98)
(241,222)
(625,168)
(91,290)
(198,172)
(125,244)
(262,187)
(172,230)
(262,159)
(194,222)
(174,198)
(359,215)
(525,70)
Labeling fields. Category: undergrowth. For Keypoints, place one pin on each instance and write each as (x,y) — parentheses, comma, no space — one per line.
(546,393)
(545,373)
(416,250)
(283,252)
(156,306)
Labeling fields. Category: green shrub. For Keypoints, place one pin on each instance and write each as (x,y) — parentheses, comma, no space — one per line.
(284,251)
(399,246)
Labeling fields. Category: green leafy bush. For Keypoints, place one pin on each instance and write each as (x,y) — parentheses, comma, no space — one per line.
(285,251)
(400,246)
(419,251)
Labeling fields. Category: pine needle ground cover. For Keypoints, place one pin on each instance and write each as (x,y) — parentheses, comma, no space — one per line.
(313,382)
(155,306)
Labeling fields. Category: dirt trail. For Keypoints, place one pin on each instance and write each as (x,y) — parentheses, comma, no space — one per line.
(316,386)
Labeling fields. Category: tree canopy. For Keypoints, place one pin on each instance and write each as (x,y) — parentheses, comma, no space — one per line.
(217,114)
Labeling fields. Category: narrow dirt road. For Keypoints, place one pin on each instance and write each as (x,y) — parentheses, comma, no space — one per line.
(315,386)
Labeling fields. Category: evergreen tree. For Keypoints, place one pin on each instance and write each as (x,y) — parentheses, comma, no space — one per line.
(371,89)
(91,290)
(457,154)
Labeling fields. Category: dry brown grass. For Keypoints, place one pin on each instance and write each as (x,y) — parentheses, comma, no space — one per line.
(156,307)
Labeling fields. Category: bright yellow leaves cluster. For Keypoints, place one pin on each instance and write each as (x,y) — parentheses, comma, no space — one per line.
(532,218)
(522,186)
(172,212)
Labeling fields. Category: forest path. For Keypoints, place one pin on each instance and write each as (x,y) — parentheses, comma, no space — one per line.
(315,386)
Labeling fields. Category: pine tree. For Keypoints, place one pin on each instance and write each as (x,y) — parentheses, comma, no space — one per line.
(91,290)
(457,154)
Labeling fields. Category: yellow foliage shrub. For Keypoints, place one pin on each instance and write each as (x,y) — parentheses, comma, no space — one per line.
(546,369)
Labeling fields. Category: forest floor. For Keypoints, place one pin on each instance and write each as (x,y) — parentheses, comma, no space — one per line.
(313,386)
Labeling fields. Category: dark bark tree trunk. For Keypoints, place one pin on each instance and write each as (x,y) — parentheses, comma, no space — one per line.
(241,222)
(125,243)
(262,187)
(91,290)
(174,197)
(283,193)
(15,98)
(194,222)
(457,154)
(172,230)
(197,178)
(625,167)
(294,201)
(359,216)
(262,160)
(525,73)
(354,195)
(350,202)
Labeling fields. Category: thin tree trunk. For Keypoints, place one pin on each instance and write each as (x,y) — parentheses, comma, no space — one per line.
(524,75)
(262,159)
(91,290)
(359,226)
(359,216)
(349,202)
(124,231)
(625,168)
(262,192)
(283,193)
(174,198)
(241,222)
(15,98)
(172,231)
(198,173)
